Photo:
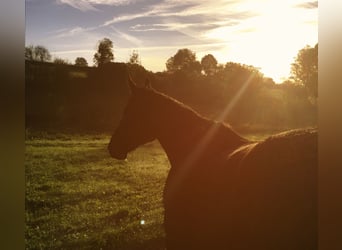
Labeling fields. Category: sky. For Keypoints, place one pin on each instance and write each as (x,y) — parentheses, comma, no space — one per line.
(266,34)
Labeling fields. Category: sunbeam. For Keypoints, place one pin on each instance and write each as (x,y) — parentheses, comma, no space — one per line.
(207,138)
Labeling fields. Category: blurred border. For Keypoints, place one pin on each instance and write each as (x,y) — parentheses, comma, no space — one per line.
(12,172)
(12,147)
(330,124)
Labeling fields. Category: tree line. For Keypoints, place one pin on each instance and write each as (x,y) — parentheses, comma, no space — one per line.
(304,69)
(90,96)
(103,55)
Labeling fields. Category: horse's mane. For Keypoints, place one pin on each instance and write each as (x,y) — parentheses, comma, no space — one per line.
(182,108)
(222,130)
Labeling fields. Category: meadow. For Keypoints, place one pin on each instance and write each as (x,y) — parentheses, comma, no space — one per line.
(77,197)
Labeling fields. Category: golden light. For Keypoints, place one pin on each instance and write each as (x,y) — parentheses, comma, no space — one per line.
(271,39)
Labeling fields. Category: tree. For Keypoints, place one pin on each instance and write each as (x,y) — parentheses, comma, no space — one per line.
(42,54)
(81,61)
(104,52)
(37,53)
(29,53)
(237,75)
(134,58)
(242,71)
(184,60)
(58,60)
(209,64)
(304,70)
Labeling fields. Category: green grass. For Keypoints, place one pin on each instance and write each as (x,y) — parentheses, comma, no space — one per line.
(77,197)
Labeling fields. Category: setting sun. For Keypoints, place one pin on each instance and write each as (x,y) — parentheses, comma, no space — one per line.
(269,40)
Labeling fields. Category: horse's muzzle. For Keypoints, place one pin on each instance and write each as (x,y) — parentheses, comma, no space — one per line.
(116,153)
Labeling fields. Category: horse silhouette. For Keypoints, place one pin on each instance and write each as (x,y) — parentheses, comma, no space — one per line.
(224,191)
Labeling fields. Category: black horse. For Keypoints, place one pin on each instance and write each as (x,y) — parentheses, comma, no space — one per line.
(224,191)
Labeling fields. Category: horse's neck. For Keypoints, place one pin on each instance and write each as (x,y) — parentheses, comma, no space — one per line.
(186,137)
(179,138)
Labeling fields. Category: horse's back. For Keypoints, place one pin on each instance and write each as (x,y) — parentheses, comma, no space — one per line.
(284,160)
(258,196)
(277,192)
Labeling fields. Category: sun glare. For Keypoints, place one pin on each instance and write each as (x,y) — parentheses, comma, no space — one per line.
(271,39)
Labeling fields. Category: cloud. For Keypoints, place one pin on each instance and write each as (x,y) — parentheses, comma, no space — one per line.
(178,22)
(111,2)
(80,5)
(203,46)
(62,33)
(168,26)
(127,38)
(128,17)
(76,51)
(188,17)
(204,10)
(89,5)
(308,5)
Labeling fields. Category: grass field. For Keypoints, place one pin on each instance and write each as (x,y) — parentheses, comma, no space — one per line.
(77,197)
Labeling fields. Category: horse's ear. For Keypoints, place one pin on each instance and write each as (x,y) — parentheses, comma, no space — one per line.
(148,83)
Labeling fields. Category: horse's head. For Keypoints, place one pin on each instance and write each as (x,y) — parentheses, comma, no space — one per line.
(137,123)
